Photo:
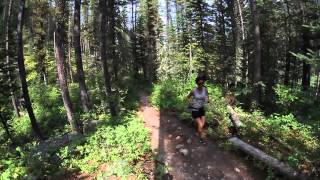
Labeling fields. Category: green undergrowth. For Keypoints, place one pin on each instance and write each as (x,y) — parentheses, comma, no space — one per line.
(281,135)
(117,148)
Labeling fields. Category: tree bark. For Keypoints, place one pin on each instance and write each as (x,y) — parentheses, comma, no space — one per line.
(306,74)
(60,61)
(151,40)
(103,56)
(7,53)
(234,118)
(190,61)
(200,23)
(241,50)
(239,5)
(134,41)
(22,72)
(223,40)
(111,41)
(6,127)
(56,143)
(77,48)
(318,87)
(39,37)
(168,25)
(236,43)
(288,55)
(86,40)
(270,161)
(257,62)
(70,42)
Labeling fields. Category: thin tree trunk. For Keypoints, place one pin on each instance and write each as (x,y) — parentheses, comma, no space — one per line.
(151,40)
(257,61)
(287,67)
(111,36)
(6,127)
(86,43)
(39,37)
(244,60)
(60,61)
(306,74)
(70,39)
(190,61)
(295,74)
(178,13)
(201,24)
(288,55)
(241,19)
(168,24)
(22,72)
(69,63)
(49,30)
(168,39)
(103,56)
(236,44)
(225,69)
(318,87)
(8,62)
(77,48)
(134,41)
(85,14)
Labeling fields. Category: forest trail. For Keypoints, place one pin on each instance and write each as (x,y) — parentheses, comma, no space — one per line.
(170,138)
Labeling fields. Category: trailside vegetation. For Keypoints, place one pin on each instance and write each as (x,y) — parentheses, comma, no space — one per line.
(65,65)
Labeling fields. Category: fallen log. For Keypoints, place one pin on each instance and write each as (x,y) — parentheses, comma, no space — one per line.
(53,145)
(272,162)
(234,117)
(237,124)
(284,144)
(90,126)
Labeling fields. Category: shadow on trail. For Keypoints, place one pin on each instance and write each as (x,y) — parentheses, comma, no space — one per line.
(191,159)
(180,155)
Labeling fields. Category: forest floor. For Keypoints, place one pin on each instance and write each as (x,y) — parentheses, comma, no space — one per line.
(181,155)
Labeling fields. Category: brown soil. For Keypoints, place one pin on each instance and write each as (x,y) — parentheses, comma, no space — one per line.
(203,161)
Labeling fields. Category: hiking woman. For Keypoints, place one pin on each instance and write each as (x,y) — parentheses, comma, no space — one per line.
(198,97)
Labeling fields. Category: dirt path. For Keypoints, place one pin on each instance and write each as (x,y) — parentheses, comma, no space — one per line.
(170,138)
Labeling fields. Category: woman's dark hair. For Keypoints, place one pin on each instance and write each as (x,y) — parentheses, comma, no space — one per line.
(200,78)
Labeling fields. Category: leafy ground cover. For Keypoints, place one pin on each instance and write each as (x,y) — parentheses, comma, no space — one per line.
(118,147)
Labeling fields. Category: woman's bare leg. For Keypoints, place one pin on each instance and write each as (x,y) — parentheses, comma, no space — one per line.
(203,120)
(199,125)
(202,123)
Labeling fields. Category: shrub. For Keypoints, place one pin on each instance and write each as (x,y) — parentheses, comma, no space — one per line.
(12,169)
(285,97)
(21,126)
(289,129)
(277,133)
(118,146)
(165,95)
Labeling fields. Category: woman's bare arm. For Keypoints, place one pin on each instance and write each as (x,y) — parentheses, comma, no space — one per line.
(207,95)
(190,95)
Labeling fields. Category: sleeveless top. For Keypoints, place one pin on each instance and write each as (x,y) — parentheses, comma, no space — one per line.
(199,98)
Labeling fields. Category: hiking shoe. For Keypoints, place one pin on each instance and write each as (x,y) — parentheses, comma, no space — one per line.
(202,141)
